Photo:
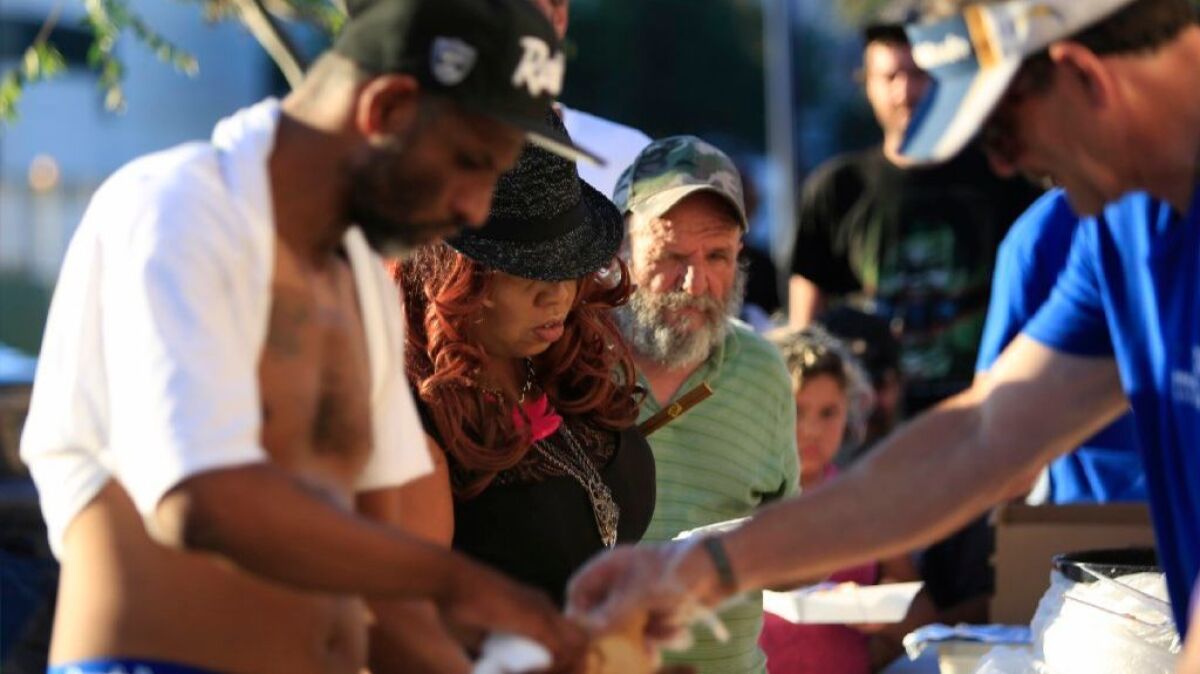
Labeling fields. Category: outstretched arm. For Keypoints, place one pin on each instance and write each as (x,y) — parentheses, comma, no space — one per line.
(408,636)
(929,478)
(1189,660)
(271,524)
(937,473)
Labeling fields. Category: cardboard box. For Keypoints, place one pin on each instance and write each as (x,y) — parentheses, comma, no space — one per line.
(1028,537)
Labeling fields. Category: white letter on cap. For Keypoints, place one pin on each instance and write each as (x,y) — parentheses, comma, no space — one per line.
(931,55)
(537,71)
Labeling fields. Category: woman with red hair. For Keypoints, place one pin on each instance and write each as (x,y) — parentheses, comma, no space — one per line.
(525,385)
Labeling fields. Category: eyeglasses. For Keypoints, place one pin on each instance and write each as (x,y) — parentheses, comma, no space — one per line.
(999,135)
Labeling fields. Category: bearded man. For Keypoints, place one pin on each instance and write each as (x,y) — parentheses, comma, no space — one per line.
(736,450)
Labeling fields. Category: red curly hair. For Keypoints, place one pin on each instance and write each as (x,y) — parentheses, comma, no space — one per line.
(589,372)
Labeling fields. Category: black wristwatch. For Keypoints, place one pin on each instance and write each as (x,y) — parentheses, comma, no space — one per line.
(716,552)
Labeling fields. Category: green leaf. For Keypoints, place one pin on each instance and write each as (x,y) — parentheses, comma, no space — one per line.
(111,20)
(114,99)
(50,60)
(41,62)
(187,64)
(29,64)
(10,94)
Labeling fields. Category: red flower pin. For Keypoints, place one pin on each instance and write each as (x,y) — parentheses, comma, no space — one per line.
(544,421)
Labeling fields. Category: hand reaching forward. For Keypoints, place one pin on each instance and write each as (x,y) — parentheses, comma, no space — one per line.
(478,597)
(664,587)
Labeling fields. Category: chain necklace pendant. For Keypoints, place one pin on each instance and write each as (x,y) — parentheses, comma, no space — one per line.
(529,376)
(607,514)
(576,464)
(579,466)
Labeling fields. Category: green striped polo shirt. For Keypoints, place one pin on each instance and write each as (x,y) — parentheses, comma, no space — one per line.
(721,460)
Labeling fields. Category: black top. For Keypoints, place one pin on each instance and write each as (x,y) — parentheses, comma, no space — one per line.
(915,246)
(540,530)
(959,567)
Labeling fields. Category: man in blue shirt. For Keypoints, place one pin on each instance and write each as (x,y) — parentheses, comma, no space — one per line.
(1103,98)
(1107,467)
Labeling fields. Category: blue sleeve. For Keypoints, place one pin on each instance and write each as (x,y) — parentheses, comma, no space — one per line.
(1072,320)
(1027,265)
(1007,309)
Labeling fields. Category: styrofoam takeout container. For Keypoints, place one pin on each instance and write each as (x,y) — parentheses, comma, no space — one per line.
(846,603)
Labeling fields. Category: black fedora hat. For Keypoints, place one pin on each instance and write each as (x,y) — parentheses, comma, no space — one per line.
(546,223)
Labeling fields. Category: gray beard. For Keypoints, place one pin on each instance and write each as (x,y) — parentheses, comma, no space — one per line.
(643,323)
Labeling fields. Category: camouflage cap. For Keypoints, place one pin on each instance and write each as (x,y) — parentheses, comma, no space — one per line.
(672,168)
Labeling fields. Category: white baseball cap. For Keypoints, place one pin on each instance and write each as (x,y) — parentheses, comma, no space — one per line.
(973,57)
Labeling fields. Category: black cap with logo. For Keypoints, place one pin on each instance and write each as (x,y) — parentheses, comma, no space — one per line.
(500,58)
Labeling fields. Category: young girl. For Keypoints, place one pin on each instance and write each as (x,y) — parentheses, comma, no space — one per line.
(833,402)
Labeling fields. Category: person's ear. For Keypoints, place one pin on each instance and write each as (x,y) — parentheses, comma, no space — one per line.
(387,105)
(1085,71)
(489,301)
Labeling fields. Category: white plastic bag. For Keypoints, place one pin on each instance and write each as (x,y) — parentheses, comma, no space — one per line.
(1098,628)
(511,654)
(1010,660)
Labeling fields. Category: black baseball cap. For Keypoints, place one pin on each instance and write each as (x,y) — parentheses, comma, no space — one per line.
(500,58)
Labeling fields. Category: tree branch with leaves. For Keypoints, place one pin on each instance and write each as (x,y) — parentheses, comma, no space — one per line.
(110,21)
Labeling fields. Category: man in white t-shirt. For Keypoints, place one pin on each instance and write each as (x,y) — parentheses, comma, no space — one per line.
(621,143)
(221,383)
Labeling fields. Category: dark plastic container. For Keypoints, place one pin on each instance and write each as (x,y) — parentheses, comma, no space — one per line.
(1112,563)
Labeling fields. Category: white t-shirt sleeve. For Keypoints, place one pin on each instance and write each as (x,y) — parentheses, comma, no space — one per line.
(399,453)
(182,329)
